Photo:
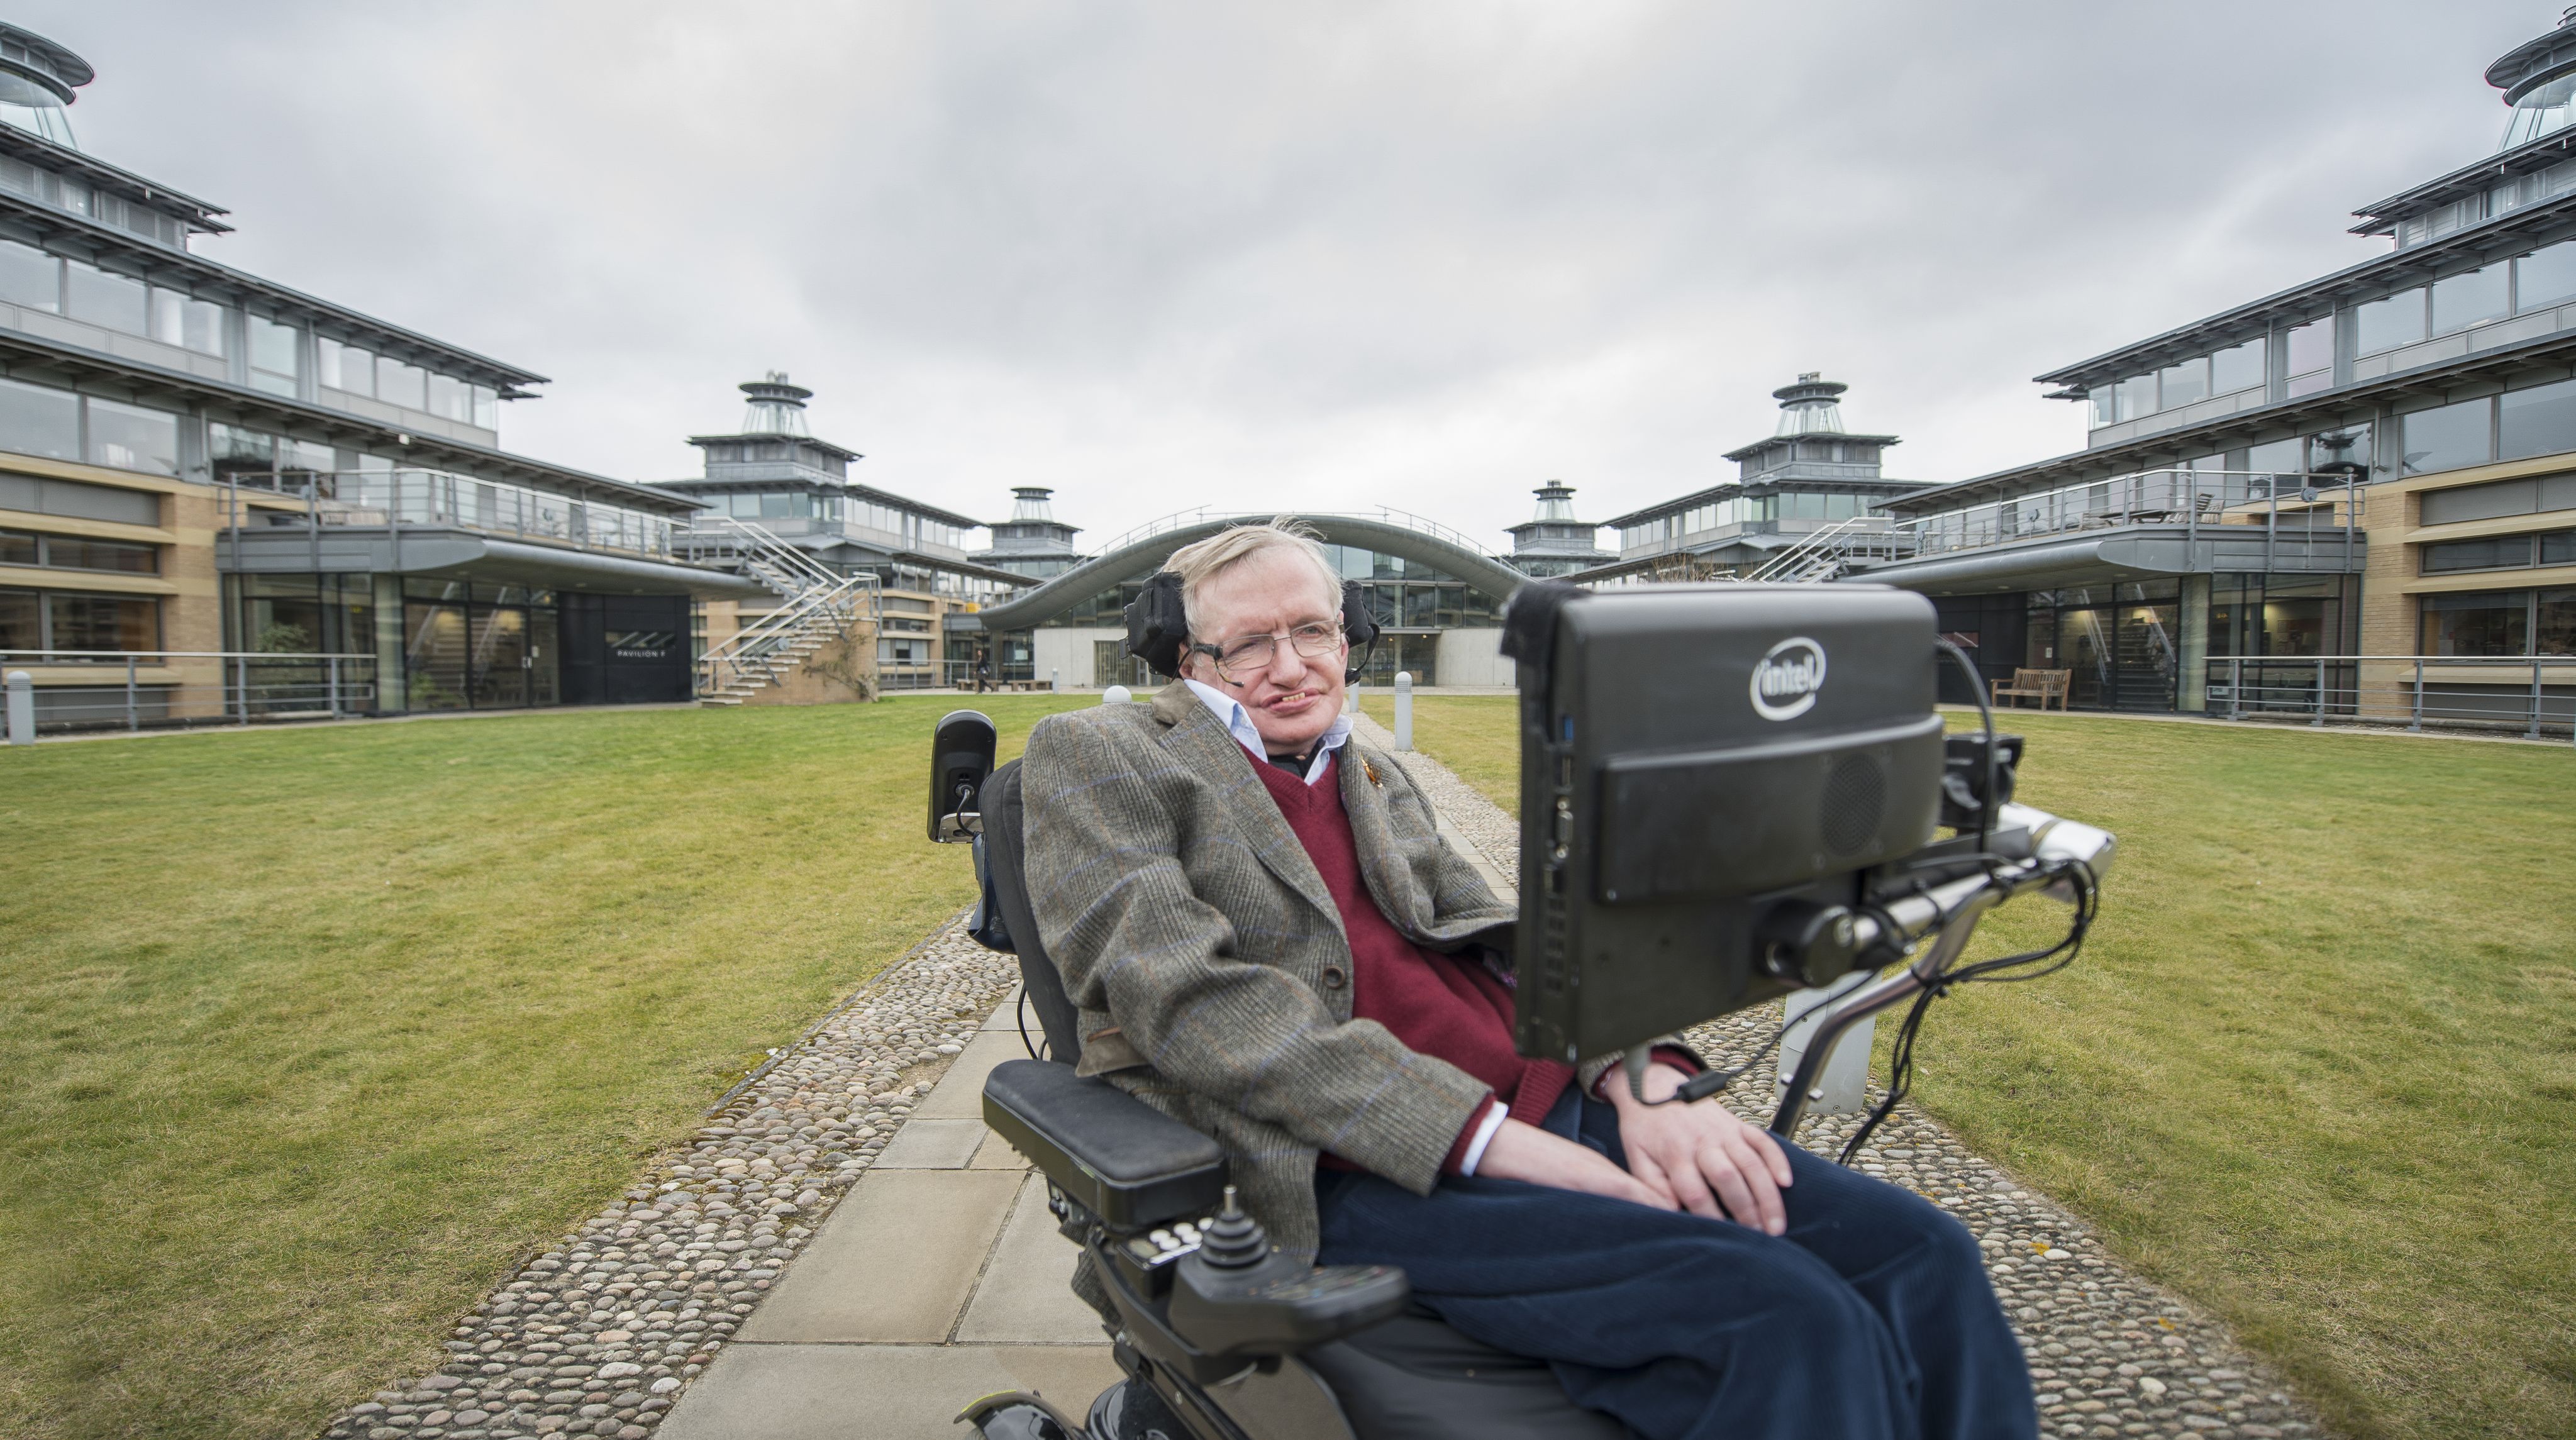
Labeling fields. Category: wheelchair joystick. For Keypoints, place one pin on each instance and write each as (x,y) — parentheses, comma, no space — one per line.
(1233,1240)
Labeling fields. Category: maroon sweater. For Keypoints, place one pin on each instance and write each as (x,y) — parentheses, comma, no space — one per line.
(1448,1006)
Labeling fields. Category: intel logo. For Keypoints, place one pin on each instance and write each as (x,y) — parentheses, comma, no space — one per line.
(1787,679)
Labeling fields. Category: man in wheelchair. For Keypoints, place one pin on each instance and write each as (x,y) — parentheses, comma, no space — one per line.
(1262,934)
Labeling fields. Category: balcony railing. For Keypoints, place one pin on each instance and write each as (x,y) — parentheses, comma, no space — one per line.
(436,498)
(130,689)
(2296,505)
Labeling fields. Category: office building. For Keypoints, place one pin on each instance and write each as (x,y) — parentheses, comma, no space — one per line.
(222,497)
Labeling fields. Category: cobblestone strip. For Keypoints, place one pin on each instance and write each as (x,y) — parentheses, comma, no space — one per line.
(2110,1354)
(599,1334)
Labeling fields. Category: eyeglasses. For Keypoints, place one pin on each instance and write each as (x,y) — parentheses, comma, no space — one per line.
(1253,653)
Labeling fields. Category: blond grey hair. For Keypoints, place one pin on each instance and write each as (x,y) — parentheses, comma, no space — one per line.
(1203,560)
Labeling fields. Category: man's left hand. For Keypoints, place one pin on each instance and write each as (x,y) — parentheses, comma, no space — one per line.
(1700,1155)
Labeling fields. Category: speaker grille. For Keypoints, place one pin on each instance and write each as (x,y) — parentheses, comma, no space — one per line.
(1855,803)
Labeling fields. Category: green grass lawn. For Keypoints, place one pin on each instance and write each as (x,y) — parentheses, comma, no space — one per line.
(308,1036)
(2316,1069)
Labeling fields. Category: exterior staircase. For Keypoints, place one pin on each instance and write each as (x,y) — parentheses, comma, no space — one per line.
(822,607)
(1826,554)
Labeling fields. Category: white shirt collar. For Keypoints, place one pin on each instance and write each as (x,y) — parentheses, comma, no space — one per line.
(1238,723)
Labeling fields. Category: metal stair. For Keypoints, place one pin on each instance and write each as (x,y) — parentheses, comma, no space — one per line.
(1826,554)
(822,606)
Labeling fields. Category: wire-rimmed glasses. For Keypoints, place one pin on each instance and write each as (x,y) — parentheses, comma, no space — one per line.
(1251,654)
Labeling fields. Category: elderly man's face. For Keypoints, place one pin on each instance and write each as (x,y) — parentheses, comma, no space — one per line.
(1294,698)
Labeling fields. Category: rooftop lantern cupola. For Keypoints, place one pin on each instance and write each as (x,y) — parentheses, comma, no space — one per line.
(1552,541)
(1032,502)
(2538,78)
(37,78)
(1811,406)
(776,408)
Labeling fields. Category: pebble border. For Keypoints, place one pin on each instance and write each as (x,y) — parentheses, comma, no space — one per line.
(598,1335)
(2110,1354)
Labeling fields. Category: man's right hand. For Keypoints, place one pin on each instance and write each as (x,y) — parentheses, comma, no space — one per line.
(1523,1152)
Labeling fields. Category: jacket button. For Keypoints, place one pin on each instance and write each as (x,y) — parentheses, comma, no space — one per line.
(1333,977)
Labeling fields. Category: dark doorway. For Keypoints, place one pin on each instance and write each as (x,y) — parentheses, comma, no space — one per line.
(625,649)
(1989,628)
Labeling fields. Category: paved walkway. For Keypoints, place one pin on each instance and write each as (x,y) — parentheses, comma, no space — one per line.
(845,1252)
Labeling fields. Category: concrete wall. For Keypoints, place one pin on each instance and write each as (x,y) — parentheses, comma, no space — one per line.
(1473,657)
(1064,654)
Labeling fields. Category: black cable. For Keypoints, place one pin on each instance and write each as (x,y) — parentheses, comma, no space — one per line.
(1900,1067)
(1986,710)
(1710,1082)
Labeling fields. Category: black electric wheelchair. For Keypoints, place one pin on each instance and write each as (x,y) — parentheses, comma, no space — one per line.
(1707,825)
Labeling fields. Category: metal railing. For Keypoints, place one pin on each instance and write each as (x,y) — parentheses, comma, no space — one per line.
(135,688)
(2525,694)
(822,605)
(1822,554)
(1183,519)
(2304,506)
(440,499)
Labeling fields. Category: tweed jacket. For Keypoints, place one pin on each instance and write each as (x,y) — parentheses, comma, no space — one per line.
(1208,961)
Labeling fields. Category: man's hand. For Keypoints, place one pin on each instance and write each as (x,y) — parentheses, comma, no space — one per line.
(1684,1152)
(1524,1152)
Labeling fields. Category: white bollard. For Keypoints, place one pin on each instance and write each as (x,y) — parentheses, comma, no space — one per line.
(22,708)
(1055,681)
(1844,1085)
(1115,695)
(1403,709)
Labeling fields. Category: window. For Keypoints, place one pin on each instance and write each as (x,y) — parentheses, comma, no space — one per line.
(344,367)
(72,552)
(79,500)
(447,398)
(2449,438)
(487,408)
(113,301)
(129,437)
(2387,324)
(274,363)
(2554,623)
(2493,623)
(2472,299)
(2137,396)
(401,384)
(2238,368)
(2558,547)
(35,420)
(30,277)
(2311,356)
(178,319)
(2537,421)
(2281,457)
(101,622)
(22,625)
(2183,384)
(2545,277)
(2537,495)
(2499,552)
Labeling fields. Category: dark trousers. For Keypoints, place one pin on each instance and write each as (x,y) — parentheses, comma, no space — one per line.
(1872,1317)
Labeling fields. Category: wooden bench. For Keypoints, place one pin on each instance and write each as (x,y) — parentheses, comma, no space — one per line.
(2045,685)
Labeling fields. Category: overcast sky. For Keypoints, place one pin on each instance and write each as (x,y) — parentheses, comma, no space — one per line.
(1320,254)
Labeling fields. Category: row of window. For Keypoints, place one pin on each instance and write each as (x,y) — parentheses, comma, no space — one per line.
(2540,112)
(1837,452)
(63,425)
(2515,425)
(75,195)
(1744,509)
(837,510)
(78,620)
(73,552)
(2538,281)
(2501,552)
(2502,623)
(34,280)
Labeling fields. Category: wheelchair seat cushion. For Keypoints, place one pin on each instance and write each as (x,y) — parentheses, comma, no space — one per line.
(1415,1378)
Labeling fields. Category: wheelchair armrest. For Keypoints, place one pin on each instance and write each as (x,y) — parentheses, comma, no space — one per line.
(1124,1161)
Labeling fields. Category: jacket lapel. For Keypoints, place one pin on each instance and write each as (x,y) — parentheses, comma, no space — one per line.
(1384,859)
(1200,741)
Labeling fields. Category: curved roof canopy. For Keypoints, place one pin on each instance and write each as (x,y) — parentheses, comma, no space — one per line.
(1143,557)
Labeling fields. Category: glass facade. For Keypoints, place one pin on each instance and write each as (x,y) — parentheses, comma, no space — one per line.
(479,646)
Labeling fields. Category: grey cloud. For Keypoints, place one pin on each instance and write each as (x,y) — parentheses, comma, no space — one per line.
(1329,254)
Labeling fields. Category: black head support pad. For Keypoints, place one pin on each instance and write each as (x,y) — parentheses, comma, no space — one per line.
(1158,630)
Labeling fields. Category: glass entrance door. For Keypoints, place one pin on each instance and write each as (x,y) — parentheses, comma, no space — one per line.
(501,662)
(2085,645)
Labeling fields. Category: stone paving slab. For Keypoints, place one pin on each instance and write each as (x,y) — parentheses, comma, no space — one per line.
(878,1392)
(933,1144)
(898,1262)
(1027,1290)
